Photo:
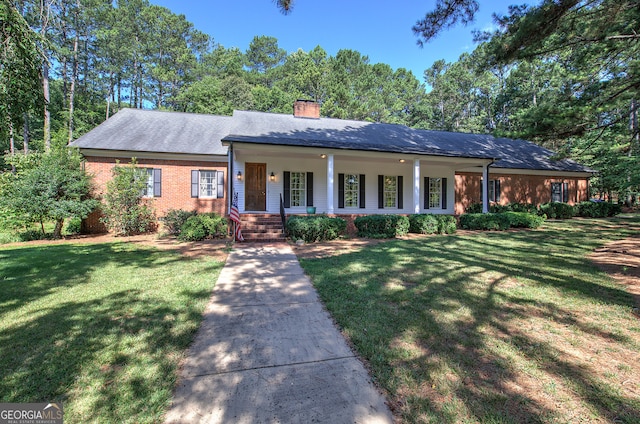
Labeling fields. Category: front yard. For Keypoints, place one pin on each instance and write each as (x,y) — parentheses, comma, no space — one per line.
(100,327)
(494,327)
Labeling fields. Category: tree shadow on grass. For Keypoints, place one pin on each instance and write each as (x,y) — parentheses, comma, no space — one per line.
(30,273)
(109,356)
(453,327)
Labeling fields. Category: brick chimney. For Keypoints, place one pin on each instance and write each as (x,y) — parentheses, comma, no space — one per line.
(306,109)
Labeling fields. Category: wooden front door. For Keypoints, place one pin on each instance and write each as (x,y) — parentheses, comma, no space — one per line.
(256,187)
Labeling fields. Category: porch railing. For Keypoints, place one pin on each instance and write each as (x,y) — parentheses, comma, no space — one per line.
(283,215)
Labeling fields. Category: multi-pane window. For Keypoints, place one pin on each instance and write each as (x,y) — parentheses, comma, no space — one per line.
(298,188)
(390,191)
(435,193)
(147,174)
(208,184)
(494,190)
(351,190)
(560,192)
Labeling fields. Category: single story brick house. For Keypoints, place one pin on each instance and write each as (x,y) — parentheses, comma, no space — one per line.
(340,167)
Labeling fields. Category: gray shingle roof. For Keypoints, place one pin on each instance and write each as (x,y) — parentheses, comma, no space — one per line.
(173,132)
(154,131)
(280,129)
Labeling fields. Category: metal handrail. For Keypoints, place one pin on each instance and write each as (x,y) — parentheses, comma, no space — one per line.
(283,215)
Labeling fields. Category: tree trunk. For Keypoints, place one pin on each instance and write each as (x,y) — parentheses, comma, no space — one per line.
(12,148)
(74,78)
(57,231)
(47,114)
(25,133)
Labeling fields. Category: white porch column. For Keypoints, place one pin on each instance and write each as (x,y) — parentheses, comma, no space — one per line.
(416,186)
(330,184)
(485,189)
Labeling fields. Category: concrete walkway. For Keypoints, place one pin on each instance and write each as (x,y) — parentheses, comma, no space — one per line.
(267,352)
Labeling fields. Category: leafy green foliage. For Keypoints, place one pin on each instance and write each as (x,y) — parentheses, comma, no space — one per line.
(315,228)
(557,210)
(597,209)
(124,210)
(500,221)
(175,219)
(432,224)
(382,226)
(202,226)
(49,186)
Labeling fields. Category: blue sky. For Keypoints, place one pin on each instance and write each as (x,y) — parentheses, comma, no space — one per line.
(379,29)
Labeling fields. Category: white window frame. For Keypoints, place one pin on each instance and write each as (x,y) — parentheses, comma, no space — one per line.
(351,190)
(298,189)
(205,187)
(390,191)
(148,190)
(435,193)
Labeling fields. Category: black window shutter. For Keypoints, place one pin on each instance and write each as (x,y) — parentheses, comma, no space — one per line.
(309,188)
(220,188)
(157,182)
(362,190)
(380,191)
(444,193)
(497,190)
(400,193)
(195,175)
(426,192)
(565,192)
(286,188)
(341,191)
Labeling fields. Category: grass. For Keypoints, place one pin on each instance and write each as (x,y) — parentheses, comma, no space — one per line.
(99,327)
(494,327)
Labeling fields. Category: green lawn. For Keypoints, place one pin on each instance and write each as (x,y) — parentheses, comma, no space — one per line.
(100,327)
(494,327)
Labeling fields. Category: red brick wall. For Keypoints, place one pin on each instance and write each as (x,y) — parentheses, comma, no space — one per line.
(517,189)
(176,186)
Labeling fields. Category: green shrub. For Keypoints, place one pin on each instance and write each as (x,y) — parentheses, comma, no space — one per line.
(74,226)
(523,207)
(524,220)
(509,207)
(473,208)
(125,211)
(423,224)
(500,221)
(315,228)
(432,224)
(201,226)
(447,224)
(557,210)
(382,226)
(175,219)
(598,209)
(484,221)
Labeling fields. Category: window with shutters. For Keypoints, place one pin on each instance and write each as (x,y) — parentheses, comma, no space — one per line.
(152,179)
(435,193)
(298,188)
(390,191)
(351,190)
(207,184)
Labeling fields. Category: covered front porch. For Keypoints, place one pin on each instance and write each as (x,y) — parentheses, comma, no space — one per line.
(345,182)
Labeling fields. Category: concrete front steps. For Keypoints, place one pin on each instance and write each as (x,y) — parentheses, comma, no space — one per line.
(260,227)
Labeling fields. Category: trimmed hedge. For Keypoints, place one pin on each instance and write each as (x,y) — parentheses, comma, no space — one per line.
(500,221)
(432,224)
(557,210)
(510,207)
(598,209)
(175,219)
(382,226)
(201,226)
(314,228)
